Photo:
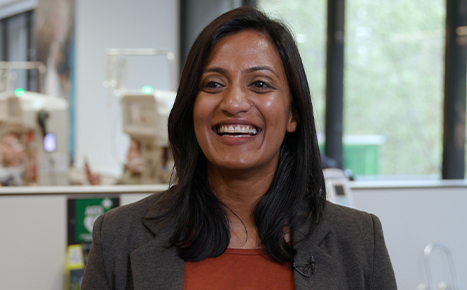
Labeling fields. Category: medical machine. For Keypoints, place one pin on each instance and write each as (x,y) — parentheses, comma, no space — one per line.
(337,187)
(144,112)
(116,66)
(7,76)
(41,124)
(145,118)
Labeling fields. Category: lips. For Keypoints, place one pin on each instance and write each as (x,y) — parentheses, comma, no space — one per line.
(237,130)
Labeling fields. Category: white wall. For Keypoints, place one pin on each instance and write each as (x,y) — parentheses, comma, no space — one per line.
(103,24)
(32,245)
(414,215)
(33,229)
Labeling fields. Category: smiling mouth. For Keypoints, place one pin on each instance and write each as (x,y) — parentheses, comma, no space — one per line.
(237,130)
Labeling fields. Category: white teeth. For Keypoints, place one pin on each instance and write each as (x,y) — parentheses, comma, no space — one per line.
(236,129)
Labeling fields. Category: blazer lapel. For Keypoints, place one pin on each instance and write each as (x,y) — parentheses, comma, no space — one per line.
(154,265)
(314,268)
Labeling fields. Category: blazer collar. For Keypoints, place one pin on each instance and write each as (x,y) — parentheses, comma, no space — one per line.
(150,218)
(314,266)
(156,265)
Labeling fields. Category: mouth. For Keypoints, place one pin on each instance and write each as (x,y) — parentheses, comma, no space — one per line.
(237,130)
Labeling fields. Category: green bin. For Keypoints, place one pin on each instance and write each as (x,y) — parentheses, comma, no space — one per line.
(361,154)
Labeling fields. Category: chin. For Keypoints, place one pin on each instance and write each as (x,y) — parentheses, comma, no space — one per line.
(235,165)
(232,164)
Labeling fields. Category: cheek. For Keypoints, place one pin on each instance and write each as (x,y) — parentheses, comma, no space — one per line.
(203,107)
(198,112)
(278,110)
(201,117)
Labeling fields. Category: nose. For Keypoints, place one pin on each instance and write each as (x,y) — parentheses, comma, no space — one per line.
(235,100)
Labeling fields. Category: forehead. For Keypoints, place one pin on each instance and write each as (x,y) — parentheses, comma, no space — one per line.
(245,48)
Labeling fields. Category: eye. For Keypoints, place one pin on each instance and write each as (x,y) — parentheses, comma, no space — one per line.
(212,86)
(260,84)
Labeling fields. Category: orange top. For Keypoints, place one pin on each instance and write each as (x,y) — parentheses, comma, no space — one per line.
(238,269)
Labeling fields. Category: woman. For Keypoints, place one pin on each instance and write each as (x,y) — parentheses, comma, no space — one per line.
(249,208)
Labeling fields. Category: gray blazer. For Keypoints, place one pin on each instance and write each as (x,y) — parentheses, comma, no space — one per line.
(129,252)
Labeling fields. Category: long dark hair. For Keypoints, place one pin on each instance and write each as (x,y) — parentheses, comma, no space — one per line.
(202,229)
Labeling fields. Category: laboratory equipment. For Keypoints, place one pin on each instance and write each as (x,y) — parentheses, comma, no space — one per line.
(337,187)
(41,123)
(7,76)
(145,112)
(145,118)
(116,59)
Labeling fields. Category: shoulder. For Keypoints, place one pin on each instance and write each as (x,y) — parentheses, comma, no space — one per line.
(348,219)
(347,234)
(132,211)
(348,245)
(350,233)
(116,225)
(348,225)
(116,234)
(356,238)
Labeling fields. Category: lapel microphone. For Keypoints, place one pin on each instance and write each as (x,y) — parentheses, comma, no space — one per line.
(304,268)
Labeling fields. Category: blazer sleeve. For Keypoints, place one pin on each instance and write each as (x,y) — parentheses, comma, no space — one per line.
(383,275)
(94,274)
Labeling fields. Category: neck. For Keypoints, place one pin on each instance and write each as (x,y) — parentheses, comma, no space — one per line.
(240,193)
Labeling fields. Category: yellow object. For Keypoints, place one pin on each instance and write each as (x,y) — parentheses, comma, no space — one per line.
(74,261)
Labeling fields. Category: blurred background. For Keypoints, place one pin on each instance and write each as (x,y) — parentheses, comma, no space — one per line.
(86,87)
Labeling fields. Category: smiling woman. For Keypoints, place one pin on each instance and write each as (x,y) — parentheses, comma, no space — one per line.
(243,89)
(248,210)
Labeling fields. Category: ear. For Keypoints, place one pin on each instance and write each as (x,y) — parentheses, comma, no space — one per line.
(292,122)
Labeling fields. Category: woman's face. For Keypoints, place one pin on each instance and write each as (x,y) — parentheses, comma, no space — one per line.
(242,110)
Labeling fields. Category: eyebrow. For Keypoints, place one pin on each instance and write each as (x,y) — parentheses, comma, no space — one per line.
(250,70)
(215,69)
(257,68)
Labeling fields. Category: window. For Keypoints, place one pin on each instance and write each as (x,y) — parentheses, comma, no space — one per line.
(307,20)
(393,80)
(16,45)
(393,84)
(2,41)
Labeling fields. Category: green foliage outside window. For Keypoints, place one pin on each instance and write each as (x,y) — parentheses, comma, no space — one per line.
(393,74)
